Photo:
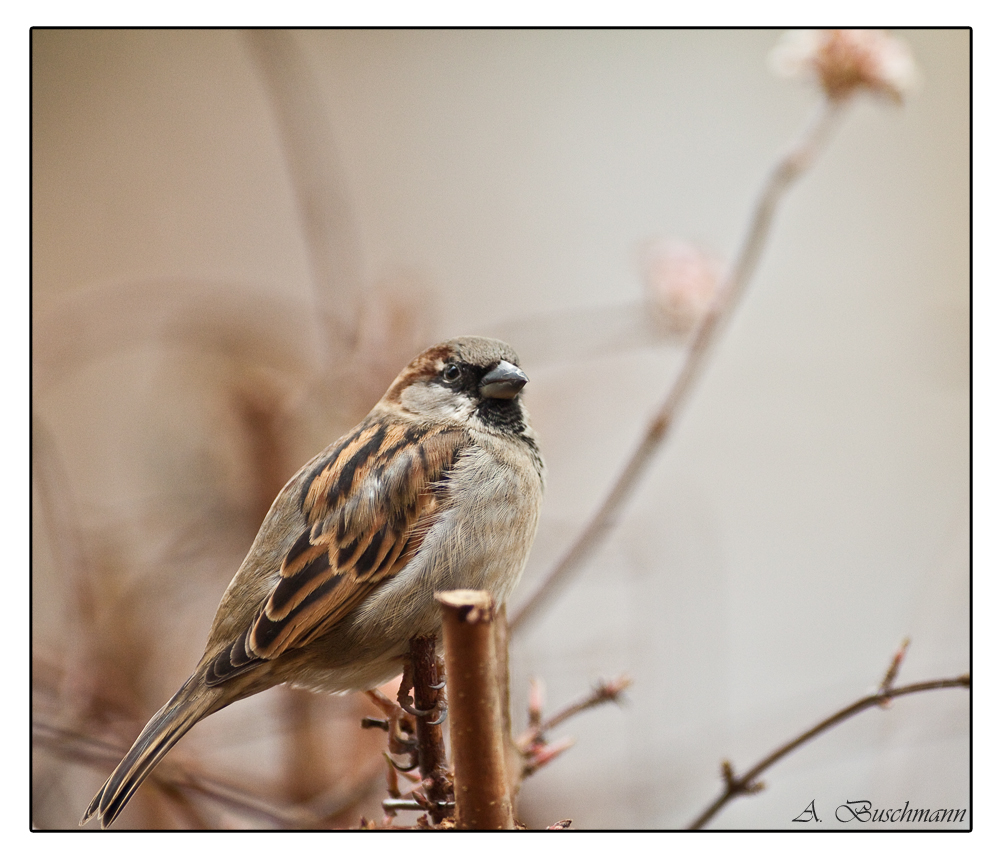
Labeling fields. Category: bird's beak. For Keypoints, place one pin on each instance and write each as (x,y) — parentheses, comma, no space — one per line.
(504,381)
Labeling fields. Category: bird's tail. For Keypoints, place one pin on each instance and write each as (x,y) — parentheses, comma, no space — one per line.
(179,715)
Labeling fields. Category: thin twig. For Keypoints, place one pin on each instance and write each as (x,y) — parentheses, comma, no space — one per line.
(605,692)
(533,750)
(890,675)
(789,168)
(748,783)
(400,725)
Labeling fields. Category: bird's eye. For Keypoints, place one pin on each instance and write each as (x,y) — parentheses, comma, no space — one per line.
(451,373)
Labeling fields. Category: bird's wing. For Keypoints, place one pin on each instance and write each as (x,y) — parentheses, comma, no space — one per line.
(366,508)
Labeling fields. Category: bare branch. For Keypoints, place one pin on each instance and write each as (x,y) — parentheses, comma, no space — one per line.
(535,752)
(748,783)
(789,168)
(427,699)
(604,692)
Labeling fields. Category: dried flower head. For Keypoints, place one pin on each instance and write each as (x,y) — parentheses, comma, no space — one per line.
(681,283)
(845,61)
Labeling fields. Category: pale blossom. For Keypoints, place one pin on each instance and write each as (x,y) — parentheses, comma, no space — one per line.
(681,283)
(844,61)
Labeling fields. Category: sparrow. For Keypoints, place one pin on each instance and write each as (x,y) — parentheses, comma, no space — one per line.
(438,488)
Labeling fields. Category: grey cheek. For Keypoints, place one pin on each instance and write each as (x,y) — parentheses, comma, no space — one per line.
(436,402)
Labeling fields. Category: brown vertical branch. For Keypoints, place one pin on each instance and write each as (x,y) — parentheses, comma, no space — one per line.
(503,667)
(430,736)
(513,756)
(482,800)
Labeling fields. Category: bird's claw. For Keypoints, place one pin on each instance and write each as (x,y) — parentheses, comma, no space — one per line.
(407,705)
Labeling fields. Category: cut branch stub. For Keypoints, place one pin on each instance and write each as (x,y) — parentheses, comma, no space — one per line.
(482,799)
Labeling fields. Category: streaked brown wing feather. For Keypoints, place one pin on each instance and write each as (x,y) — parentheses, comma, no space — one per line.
(367,507)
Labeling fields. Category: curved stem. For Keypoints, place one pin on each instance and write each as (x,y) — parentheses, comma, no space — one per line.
(747,782)
(789,168)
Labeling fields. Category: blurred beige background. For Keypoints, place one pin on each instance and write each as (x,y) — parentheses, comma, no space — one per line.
(218,292)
